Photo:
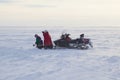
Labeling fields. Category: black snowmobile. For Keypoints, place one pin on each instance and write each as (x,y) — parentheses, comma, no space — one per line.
(73,43)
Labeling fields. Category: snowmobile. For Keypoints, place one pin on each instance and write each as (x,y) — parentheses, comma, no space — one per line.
(73,43)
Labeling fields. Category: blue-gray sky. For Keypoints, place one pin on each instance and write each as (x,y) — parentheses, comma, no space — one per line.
(60,12)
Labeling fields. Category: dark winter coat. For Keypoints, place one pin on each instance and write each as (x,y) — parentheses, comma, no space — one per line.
(39,42)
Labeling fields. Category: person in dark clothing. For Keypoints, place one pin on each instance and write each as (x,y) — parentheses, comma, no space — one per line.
(84,41)
(47,40)
(62,37)
(64,40)
(81,40)
(68,39)
(38,42)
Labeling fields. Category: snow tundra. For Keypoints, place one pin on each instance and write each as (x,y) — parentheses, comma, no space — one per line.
(19,60)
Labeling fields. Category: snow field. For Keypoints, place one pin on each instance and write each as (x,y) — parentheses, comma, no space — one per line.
(19,60)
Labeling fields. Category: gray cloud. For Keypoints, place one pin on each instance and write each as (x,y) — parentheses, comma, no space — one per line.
(5,1)
(41,6)
(9,1)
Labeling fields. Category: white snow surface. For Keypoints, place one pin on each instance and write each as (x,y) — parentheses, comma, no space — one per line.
(19,60)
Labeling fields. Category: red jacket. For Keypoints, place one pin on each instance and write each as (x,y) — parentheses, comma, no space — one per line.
(47,39)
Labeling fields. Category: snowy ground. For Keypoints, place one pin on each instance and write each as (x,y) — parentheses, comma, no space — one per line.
(19,60)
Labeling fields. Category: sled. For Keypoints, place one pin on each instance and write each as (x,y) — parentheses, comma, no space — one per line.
(73,44)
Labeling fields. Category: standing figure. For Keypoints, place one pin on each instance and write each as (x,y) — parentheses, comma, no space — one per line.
(84,41)
(67,38)
(38,42)
(47,40)
(81,38)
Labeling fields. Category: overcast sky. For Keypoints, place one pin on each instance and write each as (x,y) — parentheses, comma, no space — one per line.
(60,12)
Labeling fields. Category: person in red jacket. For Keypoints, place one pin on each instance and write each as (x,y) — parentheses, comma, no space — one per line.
(47,40)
